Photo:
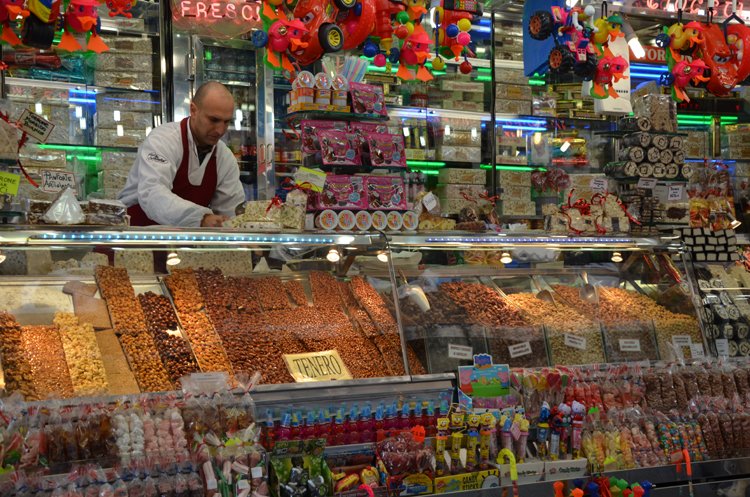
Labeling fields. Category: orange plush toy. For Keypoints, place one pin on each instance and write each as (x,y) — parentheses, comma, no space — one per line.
(82,17)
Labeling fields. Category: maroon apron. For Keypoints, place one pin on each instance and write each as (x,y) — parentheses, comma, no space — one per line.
(181,186)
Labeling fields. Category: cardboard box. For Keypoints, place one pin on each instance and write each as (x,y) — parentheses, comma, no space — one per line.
(476,480)
(460,191)
(460,154)
(125,79)
(528,472)
(118,61)
(513,92)
(517,178)
(462,176)
(461,85)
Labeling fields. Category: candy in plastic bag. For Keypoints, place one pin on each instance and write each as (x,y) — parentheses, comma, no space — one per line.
(65,209)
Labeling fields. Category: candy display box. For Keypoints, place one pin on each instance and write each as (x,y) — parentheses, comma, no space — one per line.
(488,478)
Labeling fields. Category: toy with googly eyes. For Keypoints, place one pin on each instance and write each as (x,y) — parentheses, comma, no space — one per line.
(82,17)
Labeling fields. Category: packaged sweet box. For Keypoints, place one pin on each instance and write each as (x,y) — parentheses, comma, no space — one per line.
(343,192)
(385,192)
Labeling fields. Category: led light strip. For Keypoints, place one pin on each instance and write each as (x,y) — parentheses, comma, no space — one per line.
(137,237)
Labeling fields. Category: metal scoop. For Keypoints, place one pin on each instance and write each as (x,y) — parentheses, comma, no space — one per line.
(541,294)
(588,292)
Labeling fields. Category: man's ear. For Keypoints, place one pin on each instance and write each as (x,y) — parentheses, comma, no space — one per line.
(193,109)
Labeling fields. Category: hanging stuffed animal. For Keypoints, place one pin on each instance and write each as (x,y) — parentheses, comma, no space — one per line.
(283,37)
(684,73)
(717,56)
(121,7)
(738,41)
(10,11)
(609,70)
(414,52)
(82,17)
(606,30)
(39,28)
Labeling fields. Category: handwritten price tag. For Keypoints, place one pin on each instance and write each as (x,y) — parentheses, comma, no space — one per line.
(519,349)
(647,183)
(675,193)
(575,341)
(460,351)
(55,180)
(9,183)
(599,185)
(630,345)
(35,125)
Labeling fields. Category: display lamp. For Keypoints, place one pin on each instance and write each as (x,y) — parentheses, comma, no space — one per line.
(506,258)
(383,257)
(333,255)
(2,257)
(734,223)
(633,42)
(565,146)
(173,259)
(616,257)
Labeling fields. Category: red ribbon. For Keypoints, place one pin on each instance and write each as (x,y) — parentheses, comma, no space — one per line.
(21,143)
(492,200)
(468,197)
(290,185)
(276,201)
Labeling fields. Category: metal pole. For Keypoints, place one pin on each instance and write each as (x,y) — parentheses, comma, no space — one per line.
(493,116)
(167,63)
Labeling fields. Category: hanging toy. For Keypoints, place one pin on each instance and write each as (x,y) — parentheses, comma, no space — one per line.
(415,9)
(609,70)
(284,37)
(383,28)
(606,30)
(717,56)
(414,52)
(38,30)
(10,11)
(453,31)
(738,41)
(82,17)
(121,7)
(683,74)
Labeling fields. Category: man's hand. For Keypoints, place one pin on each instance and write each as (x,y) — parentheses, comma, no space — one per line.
(213,221)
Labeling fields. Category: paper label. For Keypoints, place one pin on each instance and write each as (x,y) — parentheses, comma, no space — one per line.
(311,178)
(575,341)
(57,180)
(682,340)
(599,185)
(35,125)
(317,366)
(675,193)
(460,351)
(630,345)
(9,183)
(519,349)
(430,201)
(647,183)
(256,472)
(696,350)
(722,347)
(209,383)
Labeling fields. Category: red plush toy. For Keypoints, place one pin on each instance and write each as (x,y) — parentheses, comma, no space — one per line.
(82,17)
(10,11)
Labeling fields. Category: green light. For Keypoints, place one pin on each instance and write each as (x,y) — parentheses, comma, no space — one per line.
(537,82)
(80,148)
(483,78)
(93,158)
(421,163)
(394,68)
(428,172)
(508,167)
(483,69)
(729,119)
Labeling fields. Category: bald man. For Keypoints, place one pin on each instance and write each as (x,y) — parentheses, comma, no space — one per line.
(184,175)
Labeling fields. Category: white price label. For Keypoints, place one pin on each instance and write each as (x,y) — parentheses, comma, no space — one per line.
(630,345)
(519,349)
(647,183)
(722,347)
(256,472)
(430,201)
(599,185)
(696,350)
(575,341)
(682,340)
(460,351)
(675,193)
(35,125)
(56,180)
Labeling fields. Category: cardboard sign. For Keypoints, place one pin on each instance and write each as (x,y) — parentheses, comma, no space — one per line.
(316,179)
(647,183)
(599,185)
(675,193)
(519,349)
(57,180)
(9,183)
(35,126)
(575,341)
(630,345)
(317,366)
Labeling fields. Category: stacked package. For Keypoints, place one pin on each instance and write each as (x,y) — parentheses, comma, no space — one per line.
(458,94)
(515,193)
(116,166)
(513,99)
(123,122)
(461,188)
(127,64)
(460,141)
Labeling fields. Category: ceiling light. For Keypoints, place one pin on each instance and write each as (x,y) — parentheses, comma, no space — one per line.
(565,146)
(537,138)
(406,132)
(447,130)
(633,41)
(2,257)
(346,239)
(38,108)
(383,257)
(616,257)
(333,255)
(116,115)
(79,111)
(173,259)
(506,258)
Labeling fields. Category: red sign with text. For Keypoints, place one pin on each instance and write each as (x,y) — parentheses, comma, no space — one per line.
(225,19)
(722,8)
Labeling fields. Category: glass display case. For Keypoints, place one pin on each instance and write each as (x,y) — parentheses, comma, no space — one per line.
(238,302)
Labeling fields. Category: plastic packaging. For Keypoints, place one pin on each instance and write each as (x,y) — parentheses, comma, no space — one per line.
(338,148)
(65,209)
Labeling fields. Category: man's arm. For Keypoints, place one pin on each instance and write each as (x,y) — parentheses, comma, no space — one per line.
(229,192)
(158,159)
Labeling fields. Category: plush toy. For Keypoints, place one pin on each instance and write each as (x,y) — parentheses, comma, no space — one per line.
(606,30)
(414,52)
(82,17)
(121,7)
(39,27)
(738,41)
(10,11)
(717,56)
(684,73)
(609,70)
(284,37)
